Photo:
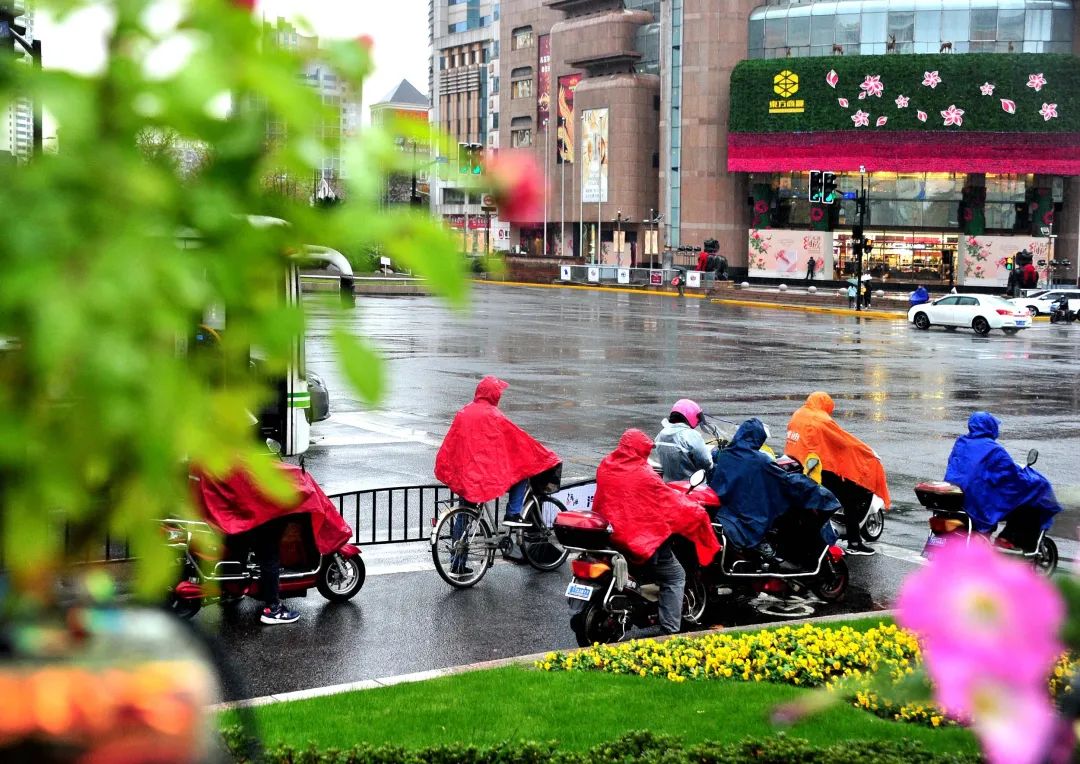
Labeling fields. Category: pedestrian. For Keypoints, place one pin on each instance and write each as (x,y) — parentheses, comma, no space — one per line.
(811,267)
(851,296)
(866,293)
(1012,286)
(918,297)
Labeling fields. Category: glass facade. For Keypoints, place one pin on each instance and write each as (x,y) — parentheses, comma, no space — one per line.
(875,27)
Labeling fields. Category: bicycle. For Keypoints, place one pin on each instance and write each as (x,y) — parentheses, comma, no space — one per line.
(463,544)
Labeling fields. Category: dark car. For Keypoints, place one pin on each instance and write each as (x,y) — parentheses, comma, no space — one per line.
(320,398)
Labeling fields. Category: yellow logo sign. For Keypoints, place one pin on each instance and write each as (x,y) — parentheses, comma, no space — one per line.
(785,85)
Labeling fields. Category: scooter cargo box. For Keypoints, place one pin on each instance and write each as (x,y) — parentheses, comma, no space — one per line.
(582,530)
(937,494)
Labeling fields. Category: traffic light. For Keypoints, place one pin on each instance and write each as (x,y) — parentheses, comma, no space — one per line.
(828,191)
(815,185)
(464,158)
(476,154)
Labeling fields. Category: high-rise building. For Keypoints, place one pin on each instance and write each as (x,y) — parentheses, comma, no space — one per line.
(17,118)
(464,85)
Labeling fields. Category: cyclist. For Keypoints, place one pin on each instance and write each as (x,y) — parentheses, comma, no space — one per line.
(679,446)
(484,454)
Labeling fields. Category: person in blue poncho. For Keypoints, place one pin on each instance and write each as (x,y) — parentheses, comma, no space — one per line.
(996,488)
(918,297)
(755,494)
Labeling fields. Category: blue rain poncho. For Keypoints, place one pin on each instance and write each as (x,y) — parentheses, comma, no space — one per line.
(754,492)
(994,485)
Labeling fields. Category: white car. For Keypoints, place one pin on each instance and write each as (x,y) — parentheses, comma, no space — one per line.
(980,312)
(1039,301)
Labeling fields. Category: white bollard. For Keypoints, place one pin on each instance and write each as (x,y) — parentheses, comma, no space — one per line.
(879,293)
(783,287)
(812,290)
(744,285)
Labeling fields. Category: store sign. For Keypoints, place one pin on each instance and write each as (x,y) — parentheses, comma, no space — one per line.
(656,278)
(786,85)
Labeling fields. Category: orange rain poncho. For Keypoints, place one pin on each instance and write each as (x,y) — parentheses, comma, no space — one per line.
(812,430)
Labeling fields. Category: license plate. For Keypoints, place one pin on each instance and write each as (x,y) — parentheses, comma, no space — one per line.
(576,591)
(935,541)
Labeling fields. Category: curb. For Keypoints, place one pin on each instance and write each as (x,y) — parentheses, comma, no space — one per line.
(590,288)
(420,676)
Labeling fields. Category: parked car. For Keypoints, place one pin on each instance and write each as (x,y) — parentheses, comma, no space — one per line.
(1039,302)
(320,398)
(979,311)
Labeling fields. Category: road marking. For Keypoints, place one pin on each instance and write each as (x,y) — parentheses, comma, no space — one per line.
(362,421)
(899,553)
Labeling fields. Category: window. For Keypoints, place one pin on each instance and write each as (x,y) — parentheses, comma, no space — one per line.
(847,28)
(522,38)
(521,84)
(984,24)
(1010,24)
(967,301)
(460,26)
(948,301)
(520,139)
(494,85)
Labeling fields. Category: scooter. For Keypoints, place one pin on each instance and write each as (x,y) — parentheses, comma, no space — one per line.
(223,569)
(1059,311)
(949,519)
(609,595)
(873,523)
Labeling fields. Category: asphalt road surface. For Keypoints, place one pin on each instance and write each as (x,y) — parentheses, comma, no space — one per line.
(583,366)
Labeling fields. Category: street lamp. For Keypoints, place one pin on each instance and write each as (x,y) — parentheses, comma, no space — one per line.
(547,157)
(620,243)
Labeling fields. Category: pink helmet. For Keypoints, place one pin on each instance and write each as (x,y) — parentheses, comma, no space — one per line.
(688,409)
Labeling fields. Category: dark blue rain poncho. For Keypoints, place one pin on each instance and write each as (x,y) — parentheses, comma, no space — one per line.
(919,296)
(994,485)
(754,492)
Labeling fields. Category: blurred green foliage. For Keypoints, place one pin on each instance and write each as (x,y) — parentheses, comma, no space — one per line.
(101,410)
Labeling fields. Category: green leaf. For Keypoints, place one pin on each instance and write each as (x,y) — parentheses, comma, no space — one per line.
(362,366)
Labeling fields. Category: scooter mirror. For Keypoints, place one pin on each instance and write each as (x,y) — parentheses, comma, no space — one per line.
(697,479)
(273,445)
(1032,457)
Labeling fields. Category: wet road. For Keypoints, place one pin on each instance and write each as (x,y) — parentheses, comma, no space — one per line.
(583,366)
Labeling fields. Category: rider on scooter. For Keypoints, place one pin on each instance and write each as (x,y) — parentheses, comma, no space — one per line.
(755,493)
(484,454)
(850,468)
(996,488)
(679,446)
(646,515)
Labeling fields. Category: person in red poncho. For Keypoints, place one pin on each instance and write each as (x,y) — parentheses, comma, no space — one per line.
(484,454)
(851,470)
(645,514)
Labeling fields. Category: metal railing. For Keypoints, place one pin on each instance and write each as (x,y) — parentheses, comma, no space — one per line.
(609,274)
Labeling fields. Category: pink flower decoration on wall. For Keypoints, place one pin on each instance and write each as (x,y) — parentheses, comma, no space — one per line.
(843,102)
(861,118)
(931,79)
(1048,111)
(872,85)
(901,102)
(921,116)
(987,88)
(953,116)
(832,78)
(881,121)
(862,95)
(1009,107)
(1036,81)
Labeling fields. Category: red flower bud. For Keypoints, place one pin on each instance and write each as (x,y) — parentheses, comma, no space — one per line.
(247,5)
(517,184)
(366,41)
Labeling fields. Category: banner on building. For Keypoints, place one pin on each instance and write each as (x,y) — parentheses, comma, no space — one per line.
(594,155)
(984,260)
(567,86)
(782,253)
(543,81)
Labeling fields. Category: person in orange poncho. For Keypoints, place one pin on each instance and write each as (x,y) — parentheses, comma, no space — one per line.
(645,514)
(850,468)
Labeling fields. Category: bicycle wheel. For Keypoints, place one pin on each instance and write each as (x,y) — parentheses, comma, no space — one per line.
(538,543)
(461,547)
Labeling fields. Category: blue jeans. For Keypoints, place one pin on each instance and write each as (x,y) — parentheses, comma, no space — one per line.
(669,574)
(517,497)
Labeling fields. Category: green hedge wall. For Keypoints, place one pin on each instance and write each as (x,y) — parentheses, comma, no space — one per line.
(961,77)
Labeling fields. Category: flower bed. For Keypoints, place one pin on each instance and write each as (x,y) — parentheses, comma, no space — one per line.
(805,656)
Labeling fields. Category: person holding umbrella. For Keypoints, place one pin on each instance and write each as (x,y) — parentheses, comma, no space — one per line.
(852,292)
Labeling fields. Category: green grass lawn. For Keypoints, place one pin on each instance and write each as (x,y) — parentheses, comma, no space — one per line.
(578,710)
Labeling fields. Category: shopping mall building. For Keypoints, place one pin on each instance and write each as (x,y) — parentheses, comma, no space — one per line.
(960,119)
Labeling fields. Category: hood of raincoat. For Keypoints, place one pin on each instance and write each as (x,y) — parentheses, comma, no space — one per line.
(235,504)
(754,492)
(994,484)
(484,453)
(643,511)
(812,430)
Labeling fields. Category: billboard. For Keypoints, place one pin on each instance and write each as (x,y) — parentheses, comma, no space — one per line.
(543,82)
(594,155)
(567,85)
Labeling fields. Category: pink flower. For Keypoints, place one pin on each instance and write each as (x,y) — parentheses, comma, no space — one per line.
(881,121)
(901,102)
(366,41)
(1009,107)
(872,85)
(861,118)
(931,79)
(862,95)
(817,214)
(953,116)
(1036,81)
(517,186)
(832,78)
(842,101)
(761,206)
(1048,111)
(1014,724)
(247,5)
(987,88)
(920,115)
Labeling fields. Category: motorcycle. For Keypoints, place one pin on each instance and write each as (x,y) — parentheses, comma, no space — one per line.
(608,594)
(217,568)
(873,523)
(1059,311)
(949,519)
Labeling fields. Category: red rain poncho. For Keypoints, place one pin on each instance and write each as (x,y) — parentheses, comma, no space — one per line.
(644,512)
(484,453)
(813,430)
(235,505)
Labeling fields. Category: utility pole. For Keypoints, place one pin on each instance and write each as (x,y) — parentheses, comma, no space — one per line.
(858,238)
(547,159)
